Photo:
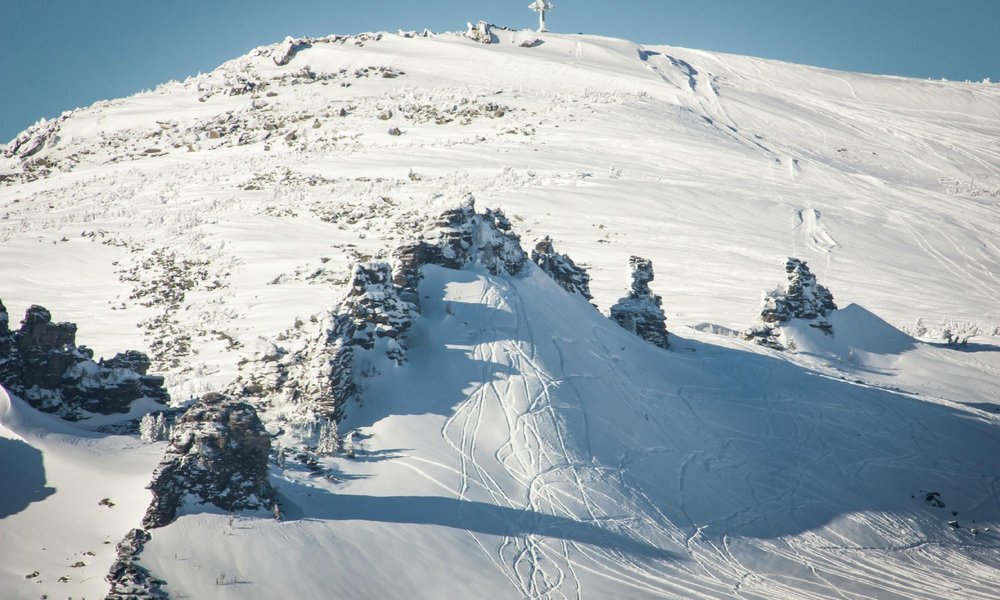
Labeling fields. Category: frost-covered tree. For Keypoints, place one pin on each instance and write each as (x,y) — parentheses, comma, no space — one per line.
(153,428)
(329,442)
(541,7)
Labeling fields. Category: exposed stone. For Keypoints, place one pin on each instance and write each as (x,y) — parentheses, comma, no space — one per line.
(801,298)
(561,268)
(218,454)
(128,580)
(480,32)
(461,237)
(42,364)
(287,49)
(640,311)
(375,310)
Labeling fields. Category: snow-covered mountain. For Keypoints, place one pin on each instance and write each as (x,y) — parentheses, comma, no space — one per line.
(376,274)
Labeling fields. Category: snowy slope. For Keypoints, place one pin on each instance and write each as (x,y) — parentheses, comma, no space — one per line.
(530,447)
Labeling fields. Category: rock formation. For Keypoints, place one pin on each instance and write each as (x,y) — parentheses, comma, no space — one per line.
(128,580)
(640,311)
(218,454)
(801,298)
(561,268)
(42,364)
(461,237)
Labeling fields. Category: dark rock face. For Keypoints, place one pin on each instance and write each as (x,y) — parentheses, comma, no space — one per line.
(128,580)
(42,364)
(802,298)
(641,310)
(374,310)
(218,453)
(561,268)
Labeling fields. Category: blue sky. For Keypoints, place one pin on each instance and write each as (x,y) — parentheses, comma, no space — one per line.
(60,54)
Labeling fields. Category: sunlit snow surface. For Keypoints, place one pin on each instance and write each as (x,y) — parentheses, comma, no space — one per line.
(530,447)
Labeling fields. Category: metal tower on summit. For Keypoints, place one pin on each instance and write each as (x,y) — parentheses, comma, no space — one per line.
(541,7)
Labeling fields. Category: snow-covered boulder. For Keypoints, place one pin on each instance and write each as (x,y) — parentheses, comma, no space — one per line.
(640,311)
(218,455)
(42,364)
(480,32)
(802,298)
(560,267)
(286,50)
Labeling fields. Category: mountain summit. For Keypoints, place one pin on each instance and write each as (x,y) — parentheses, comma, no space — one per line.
(373,287)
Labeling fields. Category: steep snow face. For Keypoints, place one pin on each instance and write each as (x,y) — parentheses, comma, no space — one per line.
(527,439)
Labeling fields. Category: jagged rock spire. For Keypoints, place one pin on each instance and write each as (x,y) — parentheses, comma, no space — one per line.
(561,268)
(641,310)
(801,298)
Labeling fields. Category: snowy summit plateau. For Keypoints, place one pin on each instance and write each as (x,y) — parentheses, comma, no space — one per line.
(504,314)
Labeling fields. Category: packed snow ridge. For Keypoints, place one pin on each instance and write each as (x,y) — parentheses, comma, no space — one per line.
(346,365)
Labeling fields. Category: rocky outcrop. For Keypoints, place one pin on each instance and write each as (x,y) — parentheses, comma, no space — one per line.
(313,378)
(561,268)
(640,311)
(286,50)
(42,364)
(802,297)
(461,237)
(128,580)
(480,32)
(218,454)
(317,377)
(375,312)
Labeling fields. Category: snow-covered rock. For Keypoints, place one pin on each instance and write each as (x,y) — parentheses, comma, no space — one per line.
(573,278)
(129,580)
(218,455)
(42,364)
(801,298)
(640,311)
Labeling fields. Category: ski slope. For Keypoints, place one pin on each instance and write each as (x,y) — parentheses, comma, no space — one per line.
(530,447)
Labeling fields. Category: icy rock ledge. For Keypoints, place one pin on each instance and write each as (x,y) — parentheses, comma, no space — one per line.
(42,364)
(640,311)
(218,454)
(801,298)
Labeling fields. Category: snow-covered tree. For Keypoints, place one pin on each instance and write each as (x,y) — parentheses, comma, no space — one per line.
(541,7)
(329,442)
(153,428)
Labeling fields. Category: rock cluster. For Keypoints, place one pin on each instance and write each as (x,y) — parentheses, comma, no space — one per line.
(640,311)
(42,364)
(801,298)
(128,580)
(461,237)
(218,454)
(561,268)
